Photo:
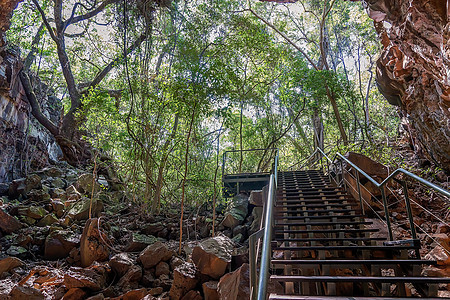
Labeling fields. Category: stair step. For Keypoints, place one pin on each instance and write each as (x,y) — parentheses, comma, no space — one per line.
(372,279)
(348,262)
(317,205)
(300,198)
(345,239)
(350,230)
(353,248)
(298,297)
(325,223)
(315,200)
(318,217)
(315,211)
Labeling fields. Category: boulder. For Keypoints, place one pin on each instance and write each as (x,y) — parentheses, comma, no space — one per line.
(9,263)
(24,292)
(138,242)
(257,213)
(210,291)
(136,294)
(438,254)
(184,280)
(47,220)
(58,183)
(236,211)
(92,244)
(192,295)
(130,280)
(38,195)
(256,198)
(153,254)
(120,263)
(8,224)
(75,294)
(58,207)
(213,255)
(80,209)
(59,243)
(17,251)
(92,279)
(23,186)
(84,184)
(153,229)
(35,212)
(236,285)
(162,269)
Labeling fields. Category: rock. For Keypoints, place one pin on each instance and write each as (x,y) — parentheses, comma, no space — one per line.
(58,207)
(80,209)
(23,186)
(47,220)
(8,224)
(84,184)
(92,244)
(38,196)
(17,251)
(242,230)
(130,280)
(153,254)
(210,290)
(162,268)
(432,271)
(148,278)
(156,291)
(58,193)
(35,212)
(120,263)
(9,263)
(24,292)
(175,262)
(192,295)
(257,213)
(138,242)
(74,294)
(236,285)
(88,278)
(72,194)
(212,256)
(236,211)
(97,297)
(438,254)
(256,198)
(59,243)
(184,280)
(137,294)
(153,228)
(4,188)
(58,183)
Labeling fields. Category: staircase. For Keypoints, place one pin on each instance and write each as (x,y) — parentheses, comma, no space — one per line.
(322,248)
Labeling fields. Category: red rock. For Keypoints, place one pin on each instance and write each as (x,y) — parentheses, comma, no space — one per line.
(92,245)
(192,295)
(236,285)
(212,256)
(24,292)
(8,224)
(130,280)
(438,254)
(89,278)
(9,263)
(120,263)
(137,294)
(59,243)
(156,291)
(256,198)
(184,280)
(162,268)
(210,290)
(74,294)
(153,254)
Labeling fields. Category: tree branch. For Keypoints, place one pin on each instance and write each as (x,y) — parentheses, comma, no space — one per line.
(45,20)
(90,14)
(101,75)
(34,49)
(35,107)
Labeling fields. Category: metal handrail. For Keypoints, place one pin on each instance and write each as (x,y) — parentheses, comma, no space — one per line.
(382,185)
(224,156)
(258,285)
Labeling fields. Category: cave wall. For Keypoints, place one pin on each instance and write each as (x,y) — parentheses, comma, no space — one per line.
(414,68)
(24,144)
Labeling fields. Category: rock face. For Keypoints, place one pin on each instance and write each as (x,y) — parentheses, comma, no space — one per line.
(413,69)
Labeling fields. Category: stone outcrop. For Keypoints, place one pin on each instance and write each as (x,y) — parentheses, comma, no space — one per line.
(413,69)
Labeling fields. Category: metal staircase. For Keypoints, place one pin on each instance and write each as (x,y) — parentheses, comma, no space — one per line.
(316,241)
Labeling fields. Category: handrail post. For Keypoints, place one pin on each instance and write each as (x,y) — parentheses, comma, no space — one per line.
(266,249)
(410,214)
(386,213)
(252,262)
(359,191)
(342,172)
